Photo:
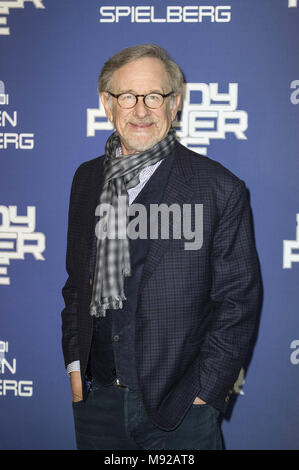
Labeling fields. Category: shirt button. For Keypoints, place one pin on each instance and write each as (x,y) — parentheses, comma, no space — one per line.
(116,338)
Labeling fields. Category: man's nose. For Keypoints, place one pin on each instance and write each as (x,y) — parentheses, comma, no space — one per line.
(140,109)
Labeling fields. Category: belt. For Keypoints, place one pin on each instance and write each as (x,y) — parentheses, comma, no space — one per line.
(118,384)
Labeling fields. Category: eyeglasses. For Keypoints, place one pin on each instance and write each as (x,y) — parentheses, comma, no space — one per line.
(151,100)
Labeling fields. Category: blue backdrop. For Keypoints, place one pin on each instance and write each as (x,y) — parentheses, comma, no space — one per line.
(240,60)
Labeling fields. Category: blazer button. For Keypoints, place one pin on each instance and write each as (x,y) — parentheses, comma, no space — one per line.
(116,338)
(90,282)
(227,398)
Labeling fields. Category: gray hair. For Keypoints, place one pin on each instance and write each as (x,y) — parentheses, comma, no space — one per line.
(123,57)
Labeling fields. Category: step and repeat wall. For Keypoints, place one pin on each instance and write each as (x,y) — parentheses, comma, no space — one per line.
(240,60)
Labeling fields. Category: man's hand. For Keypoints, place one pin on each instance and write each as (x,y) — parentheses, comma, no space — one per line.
(199,401)
(76,385)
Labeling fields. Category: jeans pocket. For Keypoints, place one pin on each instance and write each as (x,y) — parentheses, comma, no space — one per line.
(77,403)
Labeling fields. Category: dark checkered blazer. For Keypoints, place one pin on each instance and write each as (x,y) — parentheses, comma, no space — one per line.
(196,311)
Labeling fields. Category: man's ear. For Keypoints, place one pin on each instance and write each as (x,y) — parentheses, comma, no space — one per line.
(106,102)
(175,106)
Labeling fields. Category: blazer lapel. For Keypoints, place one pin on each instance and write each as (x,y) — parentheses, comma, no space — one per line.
(178,191)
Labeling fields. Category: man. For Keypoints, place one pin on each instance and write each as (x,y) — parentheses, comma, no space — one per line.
(154,334)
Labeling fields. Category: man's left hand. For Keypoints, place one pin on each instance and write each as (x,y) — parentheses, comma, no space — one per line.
(199,401)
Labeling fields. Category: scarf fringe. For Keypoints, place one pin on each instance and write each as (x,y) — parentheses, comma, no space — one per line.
(98,309)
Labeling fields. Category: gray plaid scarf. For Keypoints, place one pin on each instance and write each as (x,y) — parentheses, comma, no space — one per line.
(113,254)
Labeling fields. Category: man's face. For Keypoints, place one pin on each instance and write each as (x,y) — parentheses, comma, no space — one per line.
(140,128)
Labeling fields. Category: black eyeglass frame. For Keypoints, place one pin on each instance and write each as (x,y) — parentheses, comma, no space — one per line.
(144,97)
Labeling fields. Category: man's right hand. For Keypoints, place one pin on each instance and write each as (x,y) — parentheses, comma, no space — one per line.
(76,384)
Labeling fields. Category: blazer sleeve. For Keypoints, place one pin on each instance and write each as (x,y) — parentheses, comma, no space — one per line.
(70,290)
(235,297)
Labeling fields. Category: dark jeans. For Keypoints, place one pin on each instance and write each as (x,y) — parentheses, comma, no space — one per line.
(114,418)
